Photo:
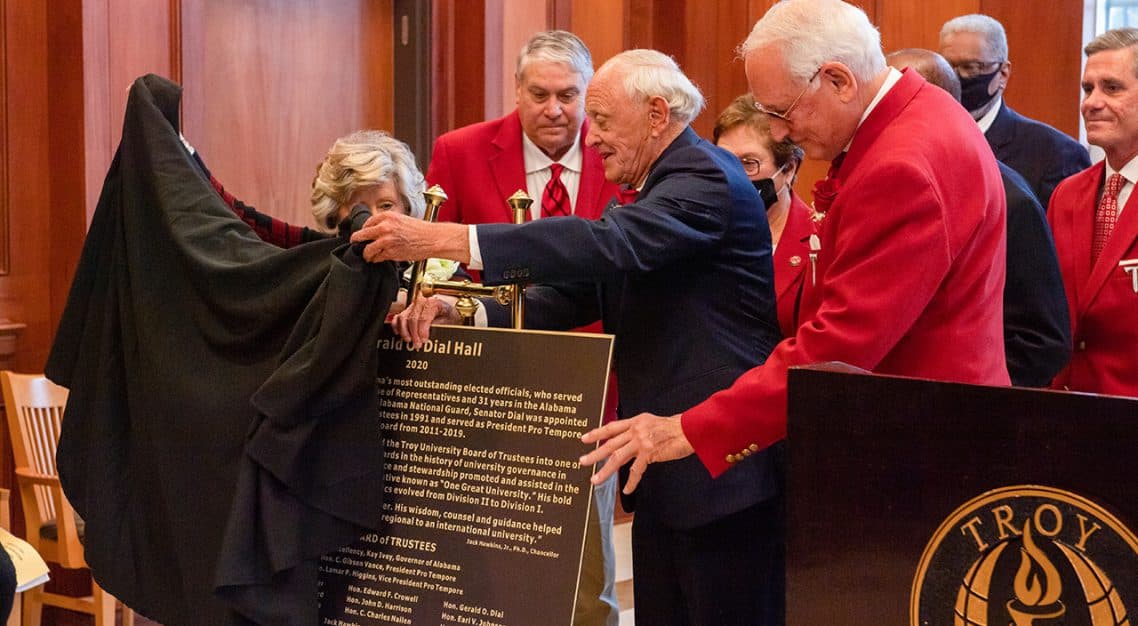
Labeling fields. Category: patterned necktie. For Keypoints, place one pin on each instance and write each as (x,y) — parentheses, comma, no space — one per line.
(1107,215)
(835,165)
(626,195)
(555,198)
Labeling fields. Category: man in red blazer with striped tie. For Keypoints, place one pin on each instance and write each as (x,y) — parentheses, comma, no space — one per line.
(1094,217)
(481,165)
(540,148)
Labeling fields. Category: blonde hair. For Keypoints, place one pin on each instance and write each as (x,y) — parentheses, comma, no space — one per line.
(362,159)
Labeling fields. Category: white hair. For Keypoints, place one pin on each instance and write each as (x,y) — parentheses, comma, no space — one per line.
(991,30)
(809,33)
(361,159)
(647,74)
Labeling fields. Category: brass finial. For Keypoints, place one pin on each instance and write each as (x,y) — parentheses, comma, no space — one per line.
(520,202)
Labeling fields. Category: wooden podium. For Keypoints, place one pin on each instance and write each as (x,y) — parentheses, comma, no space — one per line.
(920,502)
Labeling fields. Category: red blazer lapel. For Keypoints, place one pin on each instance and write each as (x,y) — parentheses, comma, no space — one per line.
(886,110)
(591,189)
(508,163)
(1121,240)
(1081,230)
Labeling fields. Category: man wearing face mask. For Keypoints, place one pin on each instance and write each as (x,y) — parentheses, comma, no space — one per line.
(772,167)
(977,48)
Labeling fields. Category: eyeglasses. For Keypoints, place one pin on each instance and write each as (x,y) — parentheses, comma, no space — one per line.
(751,166)
(785,115)
(970,69)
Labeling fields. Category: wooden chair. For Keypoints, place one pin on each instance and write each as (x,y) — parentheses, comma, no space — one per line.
(35,412)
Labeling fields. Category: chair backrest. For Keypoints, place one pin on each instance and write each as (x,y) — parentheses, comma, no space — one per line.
(35,415)
(34,406)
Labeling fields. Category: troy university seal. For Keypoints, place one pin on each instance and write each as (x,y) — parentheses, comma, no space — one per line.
(1027,556)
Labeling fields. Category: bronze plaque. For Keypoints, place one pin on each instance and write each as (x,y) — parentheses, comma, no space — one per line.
(485,506)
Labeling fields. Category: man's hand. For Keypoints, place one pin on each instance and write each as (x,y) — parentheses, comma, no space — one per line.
(398,237)
(646,438)
(398,305)
(414,323)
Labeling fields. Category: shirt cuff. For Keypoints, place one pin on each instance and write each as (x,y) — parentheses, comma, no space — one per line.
(475,254)
(480,318)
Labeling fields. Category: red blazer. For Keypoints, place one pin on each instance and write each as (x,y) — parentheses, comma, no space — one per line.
(910,274)
(1102,299)
(481,165)
(791,259)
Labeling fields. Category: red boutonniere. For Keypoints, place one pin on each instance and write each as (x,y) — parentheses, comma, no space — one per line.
(825,191)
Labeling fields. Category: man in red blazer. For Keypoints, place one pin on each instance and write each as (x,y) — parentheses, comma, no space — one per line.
(1099,263)
(907,275)
(481,165)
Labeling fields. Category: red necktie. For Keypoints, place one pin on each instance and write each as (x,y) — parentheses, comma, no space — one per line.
(835,165)
(626,195)
(555,198)
(1107,215)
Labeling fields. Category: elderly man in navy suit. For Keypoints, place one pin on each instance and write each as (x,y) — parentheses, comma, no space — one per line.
(977,48)
(704,551)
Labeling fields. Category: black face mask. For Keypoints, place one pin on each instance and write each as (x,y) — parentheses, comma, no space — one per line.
(974,91)
(765,187)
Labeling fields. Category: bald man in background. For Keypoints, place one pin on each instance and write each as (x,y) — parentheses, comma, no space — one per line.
(1037,335)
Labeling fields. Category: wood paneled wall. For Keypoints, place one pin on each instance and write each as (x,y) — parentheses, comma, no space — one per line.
(458,53)
(270,84)
(39,207)
(702,37)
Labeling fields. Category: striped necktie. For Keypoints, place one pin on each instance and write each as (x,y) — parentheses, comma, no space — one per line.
(555,198)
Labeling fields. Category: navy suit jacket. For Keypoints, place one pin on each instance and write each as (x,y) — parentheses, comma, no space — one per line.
(1037,327)
(684,279)
(1042,155)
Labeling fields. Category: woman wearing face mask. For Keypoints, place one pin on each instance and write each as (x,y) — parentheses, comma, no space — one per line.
(772,166)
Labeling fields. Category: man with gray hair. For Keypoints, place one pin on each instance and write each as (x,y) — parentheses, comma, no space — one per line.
(901,278)
(1094,216)
(690,230)
(540,147)
(977,48)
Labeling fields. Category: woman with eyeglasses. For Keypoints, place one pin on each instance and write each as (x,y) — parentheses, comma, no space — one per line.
(772,167)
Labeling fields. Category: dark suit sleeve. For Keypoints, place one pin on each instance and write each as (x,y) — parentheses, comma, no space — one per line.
(1037,337)
(551,307)
(1072,159)
(687,212)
